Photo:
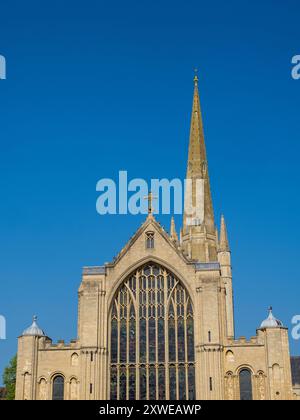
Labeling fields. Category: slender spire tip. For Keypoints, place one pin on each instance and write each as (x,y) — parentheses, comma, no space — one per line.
(196,76)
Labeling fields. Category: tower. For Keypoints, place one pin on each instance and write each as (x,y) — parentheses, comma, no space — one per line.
(275,336)
(27,366)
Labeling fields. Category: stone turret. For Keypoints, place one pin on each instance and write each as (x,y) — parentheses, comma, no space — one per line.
(275,337)
(173,232)
(28,345)
(224,258)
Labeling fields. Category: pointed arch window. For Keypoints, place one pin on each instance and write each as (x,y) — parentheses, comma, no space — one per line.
(58,388)
(152,338)
(150,240)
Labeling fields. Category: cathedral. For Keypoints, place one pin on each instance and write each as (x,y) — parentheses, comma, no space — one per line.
(158,321)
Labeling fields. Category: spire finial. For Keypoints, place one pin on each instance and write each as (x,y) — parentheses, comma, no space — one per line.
(196,76)
(270,308)
(34,318)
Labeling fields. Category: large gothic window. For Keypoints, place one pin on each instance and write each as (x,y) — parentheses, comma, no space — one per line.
(152,338)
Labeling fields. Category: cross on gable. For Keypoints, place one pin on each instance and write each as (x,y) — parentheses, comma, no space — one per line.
(150,197)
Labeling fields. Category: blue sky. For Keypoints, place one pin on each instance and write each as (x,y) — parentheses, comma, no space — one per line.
(95,87)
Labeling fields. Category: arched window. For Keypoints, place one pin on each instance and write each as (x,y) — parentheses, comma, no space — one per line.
(245,384)
(149,239)
(58,388)
(152,338)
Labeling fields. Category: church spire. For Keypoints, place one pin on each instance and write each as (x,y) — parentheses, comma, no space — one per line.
(198,220)
(197,152)
(224,245)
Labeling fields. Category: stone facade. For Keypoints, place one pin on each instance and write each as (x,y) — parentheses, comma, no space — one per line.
(201,262)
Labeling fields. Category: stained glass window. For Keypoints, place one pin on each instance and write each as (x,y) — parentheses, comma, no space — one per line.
(123,383)
(152,338)
(172,372)
(132,383)
(113,383)
(181,382)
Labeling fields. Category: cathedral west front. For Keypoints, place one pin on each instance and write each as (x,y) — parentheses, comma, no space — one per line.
(158,321)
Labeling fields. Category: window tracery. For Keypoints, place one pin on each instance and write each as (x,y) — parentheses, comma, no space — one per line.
(152,338)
